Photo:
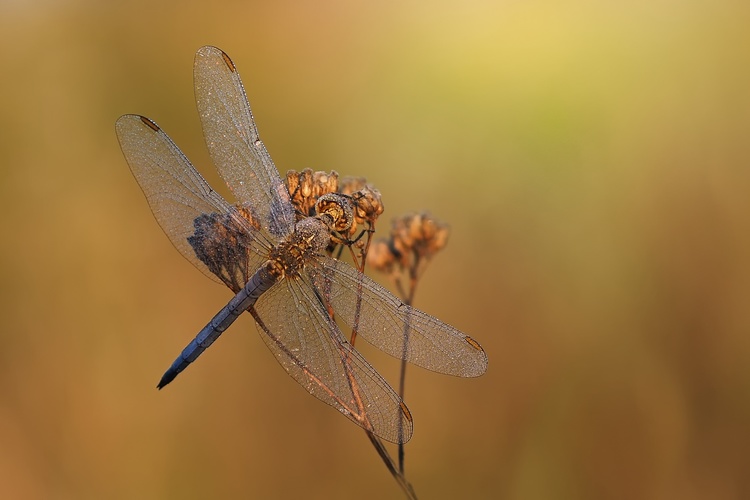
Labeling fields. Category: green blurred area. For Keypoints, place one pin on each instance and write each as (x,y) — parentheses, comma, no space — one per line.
(591,159)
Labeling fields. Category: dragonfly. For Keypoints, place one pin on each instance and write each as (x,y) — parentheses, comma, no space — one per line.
(274,260)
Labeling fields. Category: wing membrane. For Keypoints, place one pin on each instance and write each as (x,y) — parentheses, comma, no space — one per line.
(311,348)
(233,141)
(383,320)
(179,196)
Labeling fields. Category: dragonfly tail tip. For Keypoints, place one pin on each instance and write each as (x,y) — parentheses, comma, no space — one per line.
(167,378)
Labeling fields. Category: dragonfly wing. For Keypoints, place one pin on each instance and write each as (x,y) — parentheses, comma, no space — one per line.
(233,141)
(312,349)
(186,206)
(385,321)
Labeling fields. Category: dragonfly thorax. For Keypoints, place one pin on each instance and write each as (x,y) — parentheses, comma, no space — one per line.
(310,237)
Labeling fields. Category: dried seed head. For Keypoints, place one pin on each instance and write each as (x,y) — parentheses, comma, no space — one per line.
(417,235)
(427,235)
(414,239)
(400,241)
(381,257)
(368,203)
(349,185)
(222,242)
(306,187)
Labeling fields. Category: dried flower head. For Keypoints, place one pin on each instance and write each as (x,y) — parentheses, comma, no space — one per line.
(306,187)
(366,200)
(413,240)
(350,184)
(381,256)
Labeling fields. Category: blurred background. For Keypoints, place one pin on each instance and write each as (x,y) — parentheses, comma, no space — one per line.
(590,157)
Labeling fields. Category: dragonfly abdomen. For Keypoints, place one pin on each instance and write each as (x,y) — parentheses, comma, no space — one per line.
(263,279)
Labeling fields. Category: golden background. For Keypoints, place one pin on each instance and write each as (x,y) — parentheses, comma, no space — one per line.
(592,159)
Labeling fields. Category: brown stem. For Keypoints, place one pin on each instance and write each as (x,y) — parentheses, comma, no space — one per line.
(377,443)
(408,300)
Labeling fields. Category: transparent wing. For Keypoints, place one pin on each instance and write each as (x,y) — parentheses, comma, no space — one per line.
(312,349)
(384,321)
(182,200)
(232,139)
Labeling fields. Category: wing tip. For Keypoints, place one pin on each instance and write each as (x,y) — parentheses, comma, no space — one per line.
(211,50)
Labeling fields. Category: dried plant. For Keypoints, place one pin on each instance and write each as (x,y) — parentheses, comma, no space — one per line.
(403,256)
(307,190)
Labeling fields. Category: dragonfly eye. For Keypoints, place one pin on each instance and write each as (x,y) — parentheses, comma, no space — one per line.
(339,208)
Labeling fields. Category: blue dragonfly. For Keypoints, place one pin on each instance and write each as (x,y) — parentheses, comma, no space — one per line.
(275,262)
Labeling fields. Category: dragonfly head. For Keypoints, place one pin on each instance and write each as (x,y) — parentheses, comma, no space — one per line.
(336,211)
